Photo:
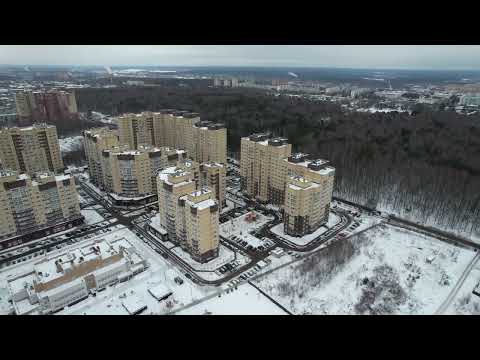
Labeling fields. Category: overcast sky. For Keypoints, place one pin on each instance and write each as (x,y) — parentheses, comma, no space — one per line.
(355,56)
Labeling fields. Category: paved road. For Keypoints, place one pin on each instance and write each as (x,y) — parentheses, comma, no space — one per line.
(446,303)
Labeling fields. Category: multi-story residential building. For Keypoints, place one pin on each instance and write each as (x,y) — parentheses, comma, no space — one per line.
(62,279)
(136,129)
(209,142)
(172,183)
(308,193)
(95,142)
(30,149)
(214,176)
(209,174)
(34,207)
(197,224)
(203,140)
(131,175)
(262,165)
(52,106)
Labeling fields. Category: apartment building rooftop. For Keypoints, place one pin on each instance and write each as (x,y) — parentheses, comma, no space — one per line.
(210,125)
(174,176)
(300,183)
(319,166)
(30,127)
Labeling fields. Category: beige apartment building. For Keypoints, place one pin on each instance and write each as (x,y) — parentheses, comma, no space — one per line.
(261,167)
(197,224)
(202,140)
(172,183)
(130,175)
(136,129)
(95,142)
(209,142)
(188,215)
(30,149)
(35,206)
(308,193)
(208,174)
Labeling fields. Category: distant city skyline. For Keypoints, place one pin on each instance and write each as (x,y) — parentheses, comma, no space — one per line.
(408,57)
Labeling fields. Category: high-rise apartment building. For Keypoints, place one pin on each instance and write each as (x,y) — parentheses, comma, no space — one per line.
(209,142)
(208,174)
(30,149)
(197,224)
(203,140)
(172,183)
(308,193)
(52,106)
(132,174)
(261,167)
(128,175)
(95,142)
(136,129)
(32,207)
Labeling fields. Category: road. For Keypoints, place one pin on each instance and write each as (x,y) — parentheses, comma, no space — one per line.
(446,303)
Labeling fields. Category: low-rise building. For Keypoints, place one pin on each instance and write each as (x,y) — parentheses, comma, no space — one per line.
(69,277)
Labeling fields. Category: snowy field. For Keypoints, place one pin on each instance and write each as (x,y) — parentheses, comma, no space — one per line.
(465,302)
(304,240)
(72,143)
(245,301)
(386,270)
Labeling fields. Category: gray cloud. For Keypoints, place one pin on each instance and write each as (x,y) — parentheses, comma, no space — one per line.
(367,56)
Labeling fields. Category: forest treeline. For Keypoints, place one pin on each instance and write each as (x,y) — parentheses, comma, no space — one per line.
(425,167)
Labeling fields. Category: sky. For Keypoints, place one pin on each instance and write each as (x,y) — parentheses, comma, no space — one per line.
(436,57)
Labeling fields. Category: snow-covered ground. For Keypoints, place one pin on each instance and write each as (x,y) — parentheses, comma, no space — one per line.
(225,256)
(241,226)
(304,240)
(245,301)
(91,216)
(391,271)
(465,302)
(72,143)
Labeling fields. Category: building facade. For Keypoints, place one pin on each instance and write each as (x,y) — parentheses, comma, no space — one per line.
(202,140)
(30,149)
(172,183)
(131,175)
(31,207)
(95,141)
(209,174)
(261,167)
(308,194)
(52,106)
(198,224)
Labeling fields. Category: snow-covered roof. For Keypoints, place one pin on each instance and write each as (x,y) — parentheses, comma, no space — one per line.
(155,223)
(160,291)
(133,304)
